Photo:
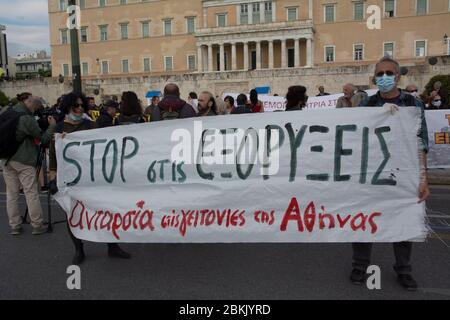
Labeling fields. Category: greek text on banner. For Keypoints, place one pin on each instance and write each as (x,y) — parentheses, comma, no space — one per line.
(347,175)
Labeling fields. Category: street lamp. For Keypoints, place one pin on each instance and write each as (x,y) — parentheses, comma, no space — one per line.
(75,50)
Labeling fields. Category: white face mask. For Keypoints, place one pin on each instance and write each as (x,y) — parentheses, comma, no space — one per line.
(437,103)
(415,94)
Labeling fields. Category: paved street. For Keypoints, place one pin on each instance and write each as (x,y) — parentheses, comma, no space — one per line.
(35,268)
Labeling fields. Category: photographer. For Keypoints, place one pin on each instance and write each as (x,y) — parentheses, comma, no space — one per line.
(18,132)
(73,106)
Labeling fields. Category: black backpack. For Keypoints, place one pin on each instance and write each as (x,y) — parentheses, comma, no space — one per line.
(9,120)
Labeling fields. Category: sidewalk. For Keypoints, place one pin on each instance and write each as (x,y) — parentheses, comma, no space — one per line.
(439,176)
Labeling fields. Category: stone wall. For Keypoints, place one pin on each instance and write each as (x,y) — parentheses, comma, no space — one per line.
(233,81)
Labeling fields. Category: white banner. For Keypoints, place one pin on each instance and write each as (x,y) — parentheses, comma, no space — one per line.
(438,123)
(348,175)
(272,103)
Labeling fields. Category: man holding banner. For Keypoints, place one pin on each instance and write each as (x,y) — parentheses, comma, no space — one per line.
(387,76)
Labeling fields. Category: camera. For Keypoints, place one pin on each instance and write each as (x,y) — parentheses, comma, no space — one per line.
(42,117)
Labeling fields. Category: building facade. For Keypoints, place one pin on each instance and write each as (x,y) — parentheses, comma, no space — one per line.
(165,37)
(3,51)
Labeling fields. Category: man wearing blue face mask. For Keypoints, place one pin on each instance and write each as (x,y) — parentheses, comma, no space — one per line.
(387,76)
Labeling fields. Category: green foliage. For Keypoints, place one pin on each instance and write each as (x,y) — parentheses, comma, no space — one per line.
(3,99)
(444,79)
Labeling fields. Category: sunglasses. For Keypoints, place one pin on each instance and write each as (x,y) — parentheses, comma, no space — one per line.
(411,91)
(388,73)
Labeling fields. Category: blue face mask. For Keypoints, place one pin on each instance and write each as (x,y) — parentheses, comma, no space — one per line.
(386,83)
(75,118)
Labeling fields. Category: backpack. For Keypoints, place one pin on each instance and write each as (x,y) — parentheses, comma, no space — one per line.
(9,120)
(169,114)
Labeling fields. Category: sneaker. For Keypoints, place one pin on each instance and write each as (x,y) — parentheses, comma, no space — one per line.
(39,230)
(114,251)
(16,231)
(358,276)
(407,282)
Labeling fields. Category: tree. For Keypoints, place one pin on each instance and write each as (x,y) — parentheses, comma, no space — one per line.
(3,99)
(444,79)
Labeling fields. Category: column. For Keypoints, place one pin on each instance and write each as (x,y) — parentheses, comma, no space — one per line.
(283,54)
(233,57)
(199,58)
(222,57)
(246,56)
(310,7)
(258,55)
(271,54)
(210,58)
(309,53)
(296,53)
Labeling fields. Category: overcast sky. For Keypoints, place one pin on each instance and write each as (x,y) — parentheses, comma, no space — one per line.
(26,23)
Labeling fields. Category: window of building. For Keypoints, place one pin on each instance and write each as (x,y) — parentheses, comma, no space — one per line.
(329,13)
(105,67)
(103,33)
(64,37)
(256,14)
(422,7)
(292,14)
(82,4)
(268,11)
(65,70)
(358,10)
(190,25)
(83,34)
(84,68)
(388,50)
(62,5)
(124,31)
(358,52)
(146,63)
(329,54)
(244,13)
(101,3)
(145,29)
(191,62)
(291,57)
(167,27)
(421,48)
(123,1)
(168,63)
(125,66)
(389,8)
(221,20)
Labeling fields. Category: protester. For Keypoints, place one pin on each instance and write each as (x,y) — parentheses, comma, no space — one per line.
(107,114)
(207,105)
(171,106)
(242,105)
(387,75)
(193,101)
(412,90)
(229,104)
(296,98)
(441,92)
(322,92)
(255,104)
(19,162)
(435,102)
(154,104)
(74,105)
(131,109)
(360,96)
(348,99)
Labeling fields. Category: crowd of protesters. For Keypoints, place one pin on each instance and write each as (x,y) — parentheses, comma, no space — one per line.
(74,112)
